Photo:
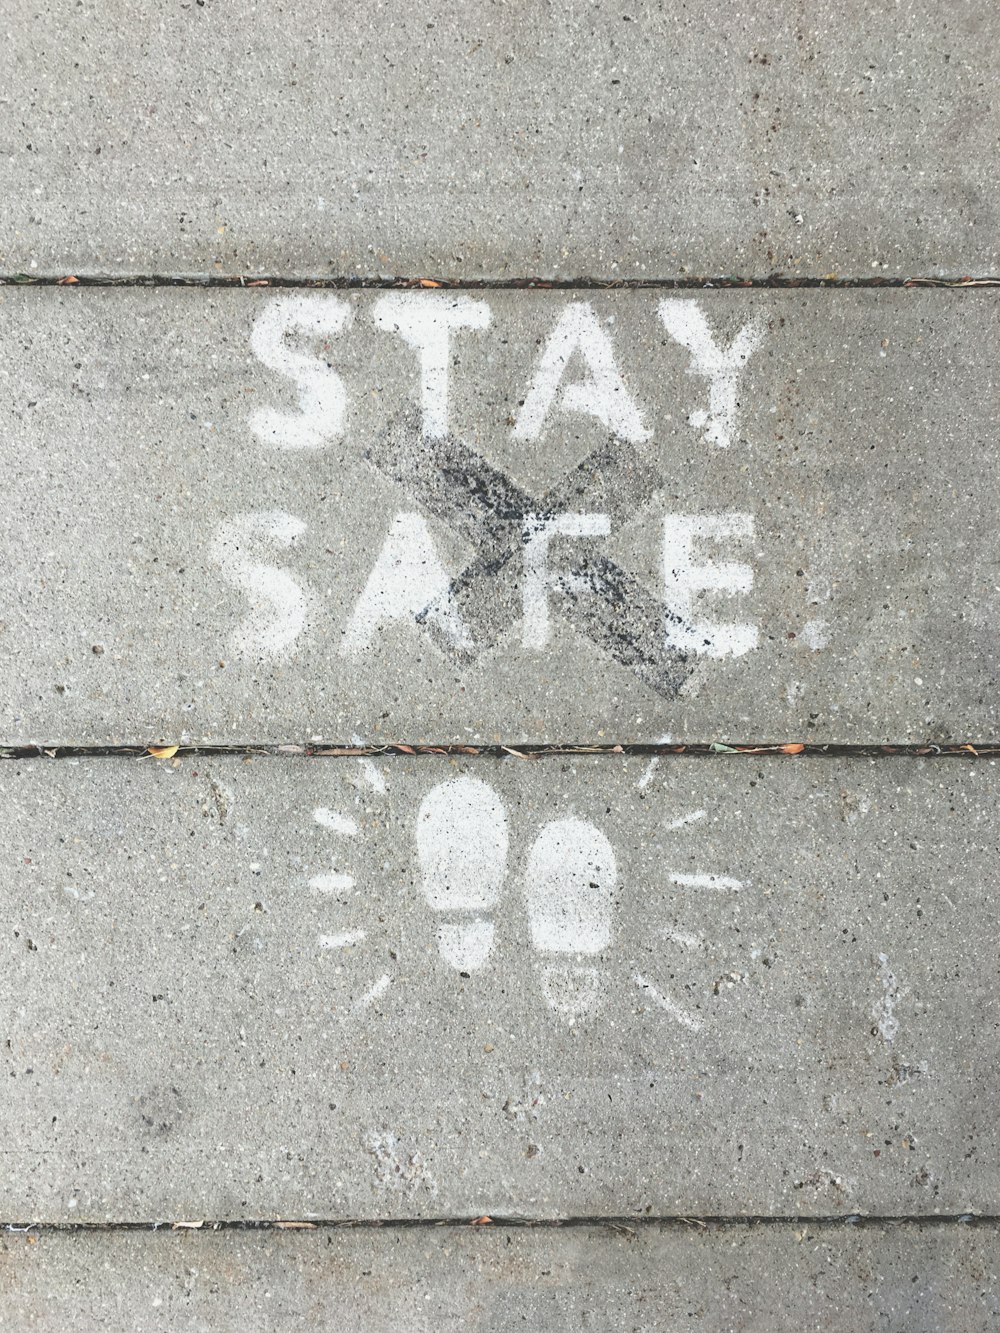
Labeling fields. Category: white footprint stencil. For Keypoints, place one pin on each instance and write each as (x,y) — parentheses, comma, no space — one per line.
(570,878)
(568,883)
(569,888)
(462,849)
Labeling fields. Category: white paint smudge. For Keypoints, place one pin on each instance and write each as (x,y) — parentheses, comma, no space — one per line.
(332,881)
(884,1011)
(707,882)
(667,1005)
(652,766)
(466,945)
(335,822)
(684,940)
(370,996)
(370,772)
(816,635)
(81,895)
(345,939)
(684,820)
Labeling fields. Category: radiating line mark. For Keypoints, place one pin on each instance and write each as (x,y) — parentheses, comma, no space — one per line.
(344,939)
(684,820)
(332,882)
(668,1006)
(369,998)
(652,766)
(336,822)
(707,882)
(684,940)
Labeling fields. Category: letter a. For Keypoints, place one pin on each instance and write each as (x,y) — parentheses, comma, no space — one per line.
(408,578)
(603,395)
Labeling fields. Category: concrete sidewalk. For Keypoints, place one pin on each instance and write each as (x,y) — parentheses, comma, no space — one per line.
(246,517)
(565,141)
(568,987)
(867,1279)
(363,377)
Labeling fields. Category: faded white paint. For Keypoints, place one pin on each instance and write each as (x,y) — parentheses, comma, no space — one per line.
(569,885)
(707,882)
(668,1006)
(603,395)
(654,763)
(684,579)
(277,601)
(462,844)
(816,635)
(375,992)
(538,533)
(683,938)
(332,881)
(322,399)
(884,1010)
(682,821)
(685,321)
(407,579)
(369,770)
(466,945)
(335,822)
(426,323)
(344,939)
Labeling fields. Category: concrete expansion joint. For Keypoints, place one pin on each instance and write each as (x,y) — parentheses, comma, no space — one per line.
(692,750)
(379,282)
(619,1224)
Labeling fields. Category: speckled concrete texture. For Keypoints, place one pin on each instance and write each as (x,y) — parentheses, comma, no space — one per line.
(582,139)
(247,516)
(562,987)
(767,1279)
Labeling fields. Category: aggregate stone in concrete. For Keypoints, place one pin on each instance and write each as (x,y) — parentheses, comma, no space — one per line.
(482,139)
(565,987)
(774,1279)
(255,516)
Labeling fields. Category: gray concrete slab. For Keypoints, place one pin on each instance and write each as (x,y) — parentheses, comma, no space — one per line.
(481,139)
(901,1279)
(254,516)
(419,988)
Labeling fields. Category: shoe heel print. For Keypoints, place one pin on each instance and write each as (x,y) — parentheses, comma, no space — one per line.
(569,887)
(462,850)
